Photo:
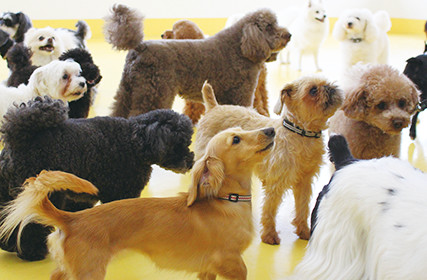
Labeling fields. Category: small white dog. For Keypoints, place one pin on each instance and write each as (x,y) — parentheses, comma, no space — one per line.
(363,36)
(309,27)
(47,44)
(58,79)
(368,222)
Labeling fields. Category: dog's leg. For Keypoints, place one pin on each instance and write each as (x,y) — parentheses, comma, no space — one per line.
(316,60)
(272,201)
(206,276)
(193,110)
(229,266)
(302,194)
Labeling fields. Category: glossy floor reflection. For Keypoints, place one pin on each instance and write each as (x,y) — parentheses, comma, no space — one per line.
(264,262)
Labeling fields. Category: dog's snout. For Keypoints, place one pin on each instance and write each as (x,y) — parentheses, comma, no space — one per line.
(50,40)
(397,124)
(286,35)
(350,24)
(269,132)
(82,84)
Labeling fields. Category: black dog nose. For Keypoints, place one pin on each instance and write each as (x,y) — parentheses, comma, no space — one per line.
(350,24)
(269,132)
(82,84)
(398,124)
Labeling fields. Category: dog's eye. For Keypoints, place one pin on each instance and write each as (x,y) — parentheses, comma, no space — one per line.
(41,38)
(65,77)
(317,12)
(236,140)
(402,103)
(382,105)
(313,91)
(358,18)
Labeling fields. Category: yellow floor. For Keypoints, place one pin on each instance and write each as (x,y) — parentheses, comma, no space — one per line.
(264,262)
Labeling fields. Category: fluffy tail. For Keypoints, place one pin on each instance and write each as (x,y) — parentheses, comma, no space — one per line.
(22,122)
(382,19)
(33,203)
(339,152)
(209,99)
(83,30)
(123,28)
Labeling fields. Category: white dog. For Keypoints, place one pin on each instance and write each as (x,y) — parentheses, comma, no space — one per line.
(47,44)
(58,79)
(368,222)
(363,36)
(309,27)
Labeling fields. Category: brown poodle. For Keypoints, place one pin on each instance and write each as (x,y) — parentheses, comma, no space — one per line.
(157,70)
(306,105)
(186,29)
(379,102)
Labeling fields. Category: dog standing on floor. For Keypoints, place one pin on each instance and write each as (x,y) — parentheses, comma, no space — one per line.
(157,70)
(363,36)
(296,158)
(186,29)
(205,230)
(309,30)
(379,102)
(368,221)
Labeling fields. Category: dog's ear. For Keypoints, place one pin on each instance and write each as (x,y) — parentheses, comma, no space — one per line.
(355,103)
(285,93)
(24,25)
(253,44)
(38,84)
(207,178)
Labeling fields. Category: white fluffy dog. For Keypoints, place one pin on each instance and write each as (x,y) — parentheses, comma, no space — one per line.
(363,36)
(47,44)
(58,79)
(309,27)
(368,222)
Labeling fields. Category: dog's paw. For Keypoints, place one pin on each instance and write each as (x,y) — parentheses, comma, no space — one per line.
(303,233)
(271,238)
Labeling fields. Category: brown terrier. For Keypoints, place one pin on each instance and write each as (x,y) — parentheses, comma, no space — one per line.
(205,230)
(297,155)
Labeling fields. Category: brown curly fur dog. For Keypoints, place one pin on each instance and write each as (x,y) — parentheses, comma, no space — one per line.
(205,230)
(379,102)
(157,70)
(295,159)
(186,29)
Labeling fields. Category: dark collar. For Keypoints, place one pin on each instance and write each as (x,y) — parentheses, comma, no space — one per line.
(296,129)
(234,197)
(356,40)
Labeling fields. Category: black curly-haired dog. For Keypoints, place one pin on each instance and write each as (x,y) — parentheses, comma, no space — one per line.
(19,62)
(416,71)
(113,153)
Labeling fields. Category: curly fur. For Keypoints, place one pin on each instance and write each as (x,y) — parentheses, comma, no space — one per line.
(363,36)
(186,29)
(379,102)
(157,70)
(295,160)
(19,61)
(115,154)
(368,222)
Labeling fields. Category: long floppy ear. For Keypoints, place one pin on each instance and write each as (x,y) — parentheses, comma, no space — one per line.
(38,83)
(355,103)
(286,92)
(371,30)
(24,25)
(253,45)
(207,178)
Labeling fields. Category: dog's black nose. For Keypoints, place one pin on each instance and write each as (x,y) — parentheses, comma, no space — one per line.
(82,84)
(397,124)
(350,24)
(269,132)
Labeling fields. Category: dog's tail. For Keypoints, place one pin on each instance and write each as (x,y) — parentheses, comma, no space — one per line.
(83,30)
(123,28)
(339,152)
(23,121)
(382,19)
(33,204)
(209,99)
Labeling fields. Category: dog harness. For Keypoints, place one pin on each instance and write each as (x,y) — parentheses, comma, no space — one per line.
(298,130)
(234,197)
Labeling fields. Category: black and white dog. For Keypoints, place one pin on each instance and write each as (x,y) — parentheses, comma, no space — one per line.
(15,25)
(368,222)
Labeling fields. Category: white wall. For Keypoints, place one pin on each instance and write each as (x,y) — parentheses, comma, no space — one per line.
(88,9)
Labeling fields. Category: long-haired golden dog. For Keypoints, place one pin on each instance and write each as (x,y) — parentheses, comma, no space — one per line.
(205,230)
(307,105)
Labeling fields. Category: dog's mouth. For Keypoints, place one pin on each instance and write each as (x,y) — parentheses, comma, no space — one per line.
(47,48)
(320,19)
(268,147)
